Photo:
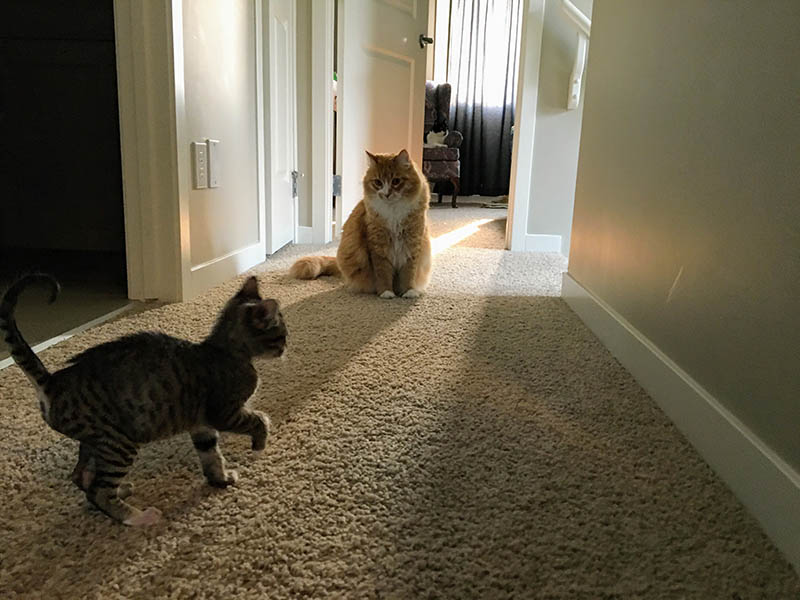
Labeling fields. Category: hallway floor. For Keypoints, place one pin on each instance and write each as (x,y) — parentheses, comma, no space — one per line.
(478,442)
(92,285)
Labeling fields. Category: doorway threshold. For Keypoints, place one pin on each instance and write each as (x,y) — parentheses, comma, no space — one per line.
(7,362)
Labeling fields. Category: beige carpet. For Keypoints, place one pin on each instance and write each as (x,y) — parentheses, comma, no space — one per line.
(490,222)
(476,443)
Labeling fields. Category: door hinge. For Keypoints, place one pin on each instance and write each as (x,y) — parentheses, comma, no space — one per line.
(337,185)
(295,176)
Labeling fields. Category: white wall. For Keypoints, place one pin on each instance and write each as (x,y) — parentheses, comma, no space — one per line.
(687,211)
(557,134)
(220,101)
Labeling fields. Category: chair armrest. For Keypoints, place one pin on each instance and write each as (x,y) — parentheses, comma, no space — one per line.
(453,139)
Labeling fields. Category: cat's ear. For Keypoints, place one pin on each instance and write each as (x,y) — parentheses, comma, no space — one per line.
(249,290)
(402,158)
(373,160)
(264,313)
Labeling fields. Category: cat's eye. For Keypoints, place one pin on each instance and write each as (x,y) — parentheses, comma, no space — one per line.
(396,181)
(377,183)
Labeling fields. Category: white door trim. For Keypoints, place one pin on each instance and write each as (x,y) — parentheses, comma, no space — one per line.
(322,32)
(521,182)
(148,143)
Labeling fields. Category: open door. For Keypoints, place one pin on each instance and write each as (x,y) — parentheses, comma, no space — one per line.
(381,86)
(281,94)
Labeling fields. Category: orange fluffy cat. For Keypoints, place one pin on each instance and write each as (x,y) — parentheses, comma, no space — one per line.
(386,246)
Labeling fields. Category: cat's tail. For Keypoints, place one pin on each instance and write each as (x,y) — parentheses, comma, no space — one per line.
(311,267)
(20,350)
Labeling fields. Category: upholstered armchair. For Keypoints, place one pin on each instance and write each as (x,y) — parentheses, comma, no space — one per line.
(441,164)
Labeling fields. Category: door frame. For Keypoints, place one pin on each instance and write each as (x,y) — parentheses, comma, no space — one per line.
(520,185)
(522,147)
(322,32)
(148,143)
(155,156)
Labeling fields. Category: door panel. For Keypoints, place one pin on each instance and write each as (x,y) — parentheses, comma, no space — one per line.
(283,124)
(381,86)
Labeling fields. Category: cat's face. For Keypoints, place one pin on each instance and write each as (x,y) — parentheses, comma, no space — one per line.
(255,322)
(391,177)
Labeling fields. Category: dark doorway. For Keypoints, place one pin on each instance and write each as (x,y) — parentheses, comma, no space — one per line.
(62,205)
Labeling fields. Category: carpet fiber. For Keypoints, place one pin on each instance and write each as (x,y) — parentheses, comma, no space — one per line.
(476,443)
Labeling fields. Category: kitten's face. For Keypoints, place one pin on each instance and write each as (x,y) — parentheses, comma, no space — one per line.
(256,322)
(391,177)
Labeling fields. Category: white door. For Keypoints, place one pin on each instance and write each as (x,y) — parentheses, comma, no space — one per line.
(381,86)
(281,198)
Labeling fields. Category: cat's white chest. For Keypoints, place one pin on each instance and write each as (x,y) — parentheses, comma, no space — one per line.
(394,214)
(399,250)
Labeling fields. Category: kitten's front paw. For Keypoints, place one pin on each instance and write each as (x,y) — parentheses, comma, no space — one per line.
(230,478)
(412,293)
(144,518)
(387,295)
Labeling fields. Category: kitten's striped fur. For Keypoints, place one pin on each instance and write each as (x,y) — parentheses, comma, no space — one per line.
(117,396)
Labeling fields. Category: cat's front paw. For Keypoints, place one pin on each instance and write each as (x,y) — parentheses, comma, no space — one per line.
(144,518)
(412,293)
(387,295)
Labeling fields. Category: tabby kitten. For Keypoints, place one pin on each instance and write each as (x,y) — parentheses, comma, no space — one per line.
(117,396)
(385,246)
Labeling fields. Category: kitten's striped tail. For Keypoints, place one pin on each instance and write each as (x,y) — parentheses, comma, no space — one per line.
(311,267)
(20,350)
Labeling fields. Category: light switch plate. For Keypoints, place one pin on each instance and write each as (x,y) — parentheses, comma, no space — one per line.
(214,164)
(200,165)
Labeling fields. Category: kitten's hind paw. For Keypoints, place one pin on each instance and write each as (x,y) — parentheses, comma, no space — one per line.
(144,518)
(260,438)
(124,490)
(387,295)
(412,293)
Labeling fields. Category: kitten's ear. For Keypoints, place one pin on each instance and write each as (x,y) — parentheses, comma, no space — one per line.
(402,158)
(249,290)
(373,160)
(264,313)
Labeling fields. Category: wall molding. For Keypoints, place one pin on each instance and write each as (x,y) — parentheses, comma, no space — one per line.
(322,32)
(521,183)
(767,485)
(541,242)
(305,235)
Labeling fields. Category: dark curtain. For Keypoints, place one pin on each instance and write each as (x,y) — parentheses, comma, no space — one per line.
(482,65)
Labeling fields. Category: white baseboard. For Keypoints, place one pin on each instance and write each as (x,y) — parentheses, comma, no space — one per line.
(540,242)
(305,235)
(210,273)
(762,480)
